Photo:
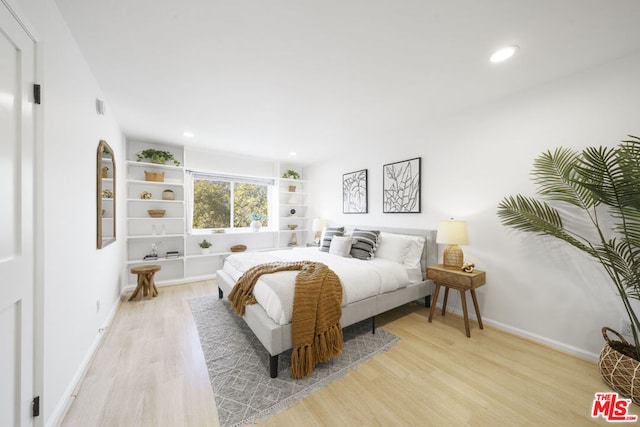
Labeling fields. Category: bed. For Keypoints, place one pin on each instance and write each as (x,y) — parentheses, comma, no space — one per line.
(394,276)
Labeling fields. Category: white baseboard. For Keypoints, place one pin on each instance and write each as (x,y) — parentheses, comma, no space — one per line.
(543,340)
(70,393)
(531,336)
(131,287)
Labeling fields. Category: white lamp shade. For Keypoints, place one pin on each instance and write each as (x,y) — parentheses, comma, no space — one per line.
(452,232)
(318,224)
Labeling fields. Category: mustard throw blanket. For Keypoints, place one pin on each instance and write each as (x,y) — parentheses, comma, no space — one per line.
(317,307)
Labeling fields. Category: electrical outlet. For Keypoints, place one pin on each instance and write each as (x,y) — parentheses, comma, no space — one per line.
(97,306)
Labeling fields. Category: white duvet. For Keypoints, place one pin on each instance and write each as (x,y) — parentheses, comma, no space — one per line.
(274,292)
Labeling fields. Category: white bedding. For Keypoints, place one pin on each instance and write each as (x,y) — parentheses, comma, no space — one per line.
(360,279)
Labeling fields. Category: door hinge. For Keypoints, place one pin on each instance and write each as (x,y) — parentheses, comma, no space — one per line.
(36,93)
(35,406)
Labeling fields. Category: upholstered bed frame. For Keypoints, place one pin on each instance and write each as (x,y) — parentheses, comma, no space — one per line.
(277,338)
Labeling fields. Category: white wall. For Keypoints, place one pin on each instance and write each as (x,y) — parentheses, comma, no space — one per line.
(535,287)
(210,161)
(74,275)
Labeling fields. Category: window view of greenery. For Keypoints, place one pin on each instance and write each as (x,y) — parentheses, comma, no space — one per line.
(213,202)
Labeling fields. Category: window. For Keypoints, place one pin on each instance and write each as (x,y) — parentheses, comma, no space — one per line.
(221,201)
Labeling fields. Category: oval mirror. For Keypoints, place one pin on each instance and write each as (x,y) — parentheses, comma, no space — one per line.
(106,195)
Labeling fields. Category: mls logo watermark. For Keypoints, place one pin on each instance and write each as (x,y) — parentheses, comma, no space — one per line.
(612,408)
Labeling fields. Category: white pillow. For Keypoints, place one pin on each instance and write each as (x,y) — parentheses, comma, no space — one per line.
(340,245)
(414,253)
(392,247)
(401,248)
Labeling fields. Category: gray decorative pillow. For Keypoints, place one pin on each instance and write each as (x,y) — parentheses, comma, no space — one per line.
(327,235)
(364,243)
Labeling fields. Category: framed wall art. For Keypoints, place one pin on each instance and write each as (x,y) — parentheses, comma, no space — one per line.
(401,186)
(354,192)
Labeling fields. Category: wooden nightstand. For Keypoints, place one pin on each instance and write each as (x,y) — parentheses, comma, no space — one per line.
(456,279)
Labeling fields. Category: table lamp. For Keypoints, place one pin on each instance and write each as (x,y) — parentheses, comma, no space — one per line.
(452,233)
(317,226)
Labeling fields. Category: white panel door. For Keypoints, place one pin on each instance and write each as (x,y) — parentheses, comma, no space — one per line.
(16,222)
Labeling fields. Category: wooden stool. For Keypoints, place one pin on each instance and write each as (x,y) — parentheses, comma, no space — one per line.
(146,285)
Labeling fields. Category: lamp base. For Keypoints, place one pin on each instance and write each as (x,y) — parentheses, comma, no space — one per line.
(452,257)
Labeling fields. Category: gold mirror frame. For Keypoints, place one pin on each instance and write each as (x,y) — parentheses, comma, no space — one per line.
(106,195)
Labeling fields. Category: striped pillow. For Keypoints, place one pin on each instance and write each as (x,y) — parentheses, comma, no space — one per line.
(327,235)
(364,243)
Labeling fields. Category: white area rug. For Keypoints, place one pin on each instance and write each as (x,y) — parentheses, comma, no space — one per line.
(239,365)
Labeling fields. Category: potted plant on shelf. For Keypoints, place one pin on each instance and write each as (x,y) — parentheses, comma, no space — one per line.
(256,221)
(205,245)
(157,156)
(291,174)
(594,182)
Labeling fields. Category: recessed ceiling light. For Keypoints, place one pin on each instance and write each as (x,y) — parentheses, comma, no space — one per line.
(188,134)
(504,53)
(292,153)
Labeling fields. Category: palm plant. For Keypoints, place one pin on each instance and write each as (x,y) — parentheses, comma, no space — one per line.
(604,184)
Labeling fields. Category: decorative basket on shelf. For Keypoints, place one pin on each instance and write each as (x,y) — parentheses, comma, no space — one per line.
(156,213)
(292,188)
(619,370)
(168,195)
(154,176)
(238,248)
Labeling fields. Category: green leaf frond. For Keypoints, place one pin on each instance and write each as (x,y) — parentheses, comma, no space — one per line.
(627,224)
(600,171)
(533,216)
(621,262)
(556,178)
(629,155)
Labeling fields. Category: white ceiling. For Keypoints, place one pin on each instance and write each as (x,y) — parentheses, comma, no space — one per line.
(266,77)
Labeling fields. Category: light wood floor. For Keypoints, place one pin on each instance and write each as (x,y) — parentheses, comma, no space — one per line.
(150,371)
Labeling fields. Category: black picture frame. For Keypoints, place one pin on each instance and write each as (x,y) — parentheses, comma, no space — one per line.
(355,192)
(401,186)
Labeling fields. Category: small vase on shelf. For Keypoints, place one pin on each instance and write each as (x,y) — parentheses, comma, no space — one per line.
(256,221)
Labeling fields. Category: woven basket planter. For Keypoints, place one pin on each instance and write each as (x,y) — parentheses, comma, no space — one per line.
(154,176)
(619,370)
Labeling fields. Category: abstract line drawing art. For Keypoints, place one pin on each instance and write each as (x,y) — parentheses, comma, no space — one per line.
(354,192)
(401,186)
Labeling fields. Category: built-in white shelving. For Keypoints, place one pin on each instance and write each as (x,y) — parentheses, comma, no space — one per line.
(144,232)
(169,233)
(293,210)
